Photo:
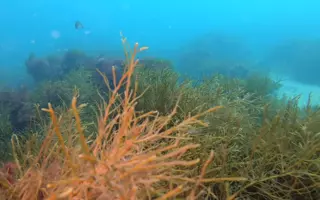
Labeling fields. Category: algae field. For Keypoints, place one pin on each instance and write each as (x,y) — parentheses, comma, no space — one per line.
(181,107)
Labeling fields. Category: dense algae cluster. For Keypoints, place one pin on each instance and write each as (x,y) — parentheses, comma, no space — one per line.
(146,134)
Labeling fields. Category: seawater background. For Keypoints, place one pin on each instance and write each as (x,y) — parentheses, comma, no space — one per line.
(164,26)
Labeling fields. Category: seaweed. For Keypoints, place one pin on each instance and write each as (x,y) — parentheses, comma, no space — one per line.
(272,142)
(156,135)
(130,157)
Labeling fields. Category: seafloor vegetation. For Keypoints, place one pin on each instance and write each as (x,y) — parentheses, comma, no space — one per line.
(129,129)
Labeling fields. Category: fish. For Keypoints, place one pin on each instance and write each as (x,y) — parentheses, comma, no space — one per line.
(78,25)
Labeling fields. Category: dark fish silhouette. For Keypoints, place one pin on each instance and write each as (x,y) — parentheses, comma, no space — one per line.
(78,25)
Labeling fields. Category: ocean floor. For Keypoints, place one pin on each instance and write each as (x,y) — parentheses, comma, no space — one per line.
(291,88)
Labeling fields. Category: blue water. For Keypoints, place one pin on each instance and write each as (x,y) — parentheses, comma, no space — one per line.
(164,26)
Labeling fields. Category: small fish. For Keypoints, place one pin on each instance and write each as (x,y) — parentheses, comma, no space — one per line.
(78,25)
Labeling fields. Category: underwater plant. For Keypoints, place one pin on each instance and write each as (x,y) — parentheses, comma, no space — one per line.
(15,105)
(132,155)
(55,67)
(255,135)
(152,135)
(39,68)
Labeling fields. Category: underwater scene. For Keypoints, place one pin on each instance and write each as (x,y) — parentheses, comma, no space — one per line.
(164,100)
